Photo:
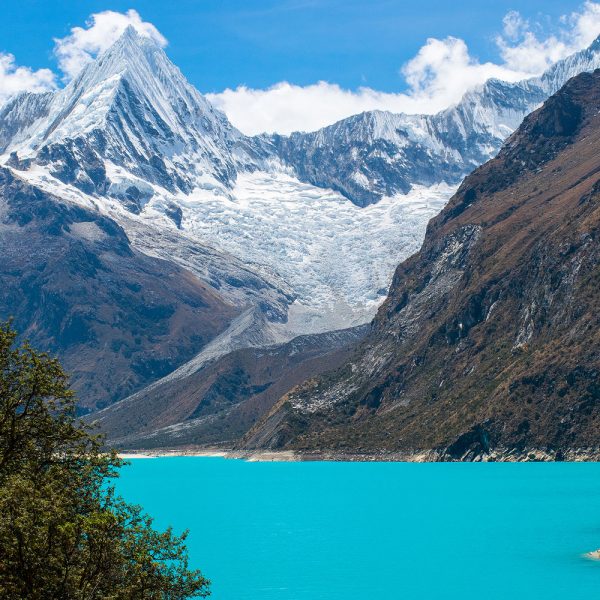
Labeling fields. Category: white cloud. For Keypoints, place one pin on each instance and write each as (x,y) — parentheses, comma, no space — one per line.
(521,48)
(443,70)
(437,77)
(285,107)
(15,79)
(584,25)
(101,31)
(514,25)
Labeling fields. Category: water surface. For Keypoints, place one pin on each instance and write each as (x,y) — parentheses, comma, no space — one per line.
(378,531)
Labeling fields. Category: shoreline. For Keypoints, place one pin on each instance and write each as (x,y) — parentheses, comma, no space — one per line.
(423,456)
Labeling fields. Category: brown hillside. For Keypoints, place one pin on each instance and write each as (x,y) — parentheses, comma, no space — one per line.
(490,335)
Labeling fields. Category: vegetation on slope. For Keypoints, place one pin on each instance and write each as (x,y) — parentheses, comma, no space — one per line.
(489,338)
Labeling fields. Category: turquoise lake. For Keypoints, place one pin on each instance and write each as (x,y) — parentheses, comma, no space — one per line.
(377,531)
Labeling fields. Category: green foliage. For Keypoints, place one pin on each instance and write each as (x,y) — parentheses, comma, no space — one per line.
(64,534)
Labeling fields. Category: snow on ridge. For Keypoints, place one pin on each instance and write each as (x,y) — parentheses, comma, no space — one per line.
(337,258)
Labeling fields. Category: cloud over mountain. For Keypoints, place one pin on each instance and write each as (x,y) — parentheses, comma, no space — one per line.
(101,31)
(15,79)
(436,77)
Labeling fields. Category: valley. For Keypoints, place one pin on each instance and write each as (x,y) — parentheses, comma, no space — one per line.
(294,238)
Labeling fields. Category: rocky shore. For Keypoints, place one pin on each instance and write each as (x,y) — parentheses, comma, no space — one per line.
(420,456)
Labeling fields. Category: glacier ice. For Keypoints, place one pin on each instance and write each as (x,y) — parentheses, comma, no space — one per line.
(302,232)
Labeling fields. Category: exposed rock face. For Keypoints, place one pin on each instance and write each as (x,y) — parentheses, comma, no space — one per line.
(221,399)
(490,335)
(117,318)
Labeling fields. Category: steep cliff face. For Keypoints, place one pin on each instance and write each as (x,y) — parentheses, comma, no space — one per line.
(490,335)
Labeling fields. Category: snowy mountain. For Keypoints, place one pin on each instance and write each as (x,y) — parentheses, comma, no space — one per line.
(303,232)
(127,122)
(379,154)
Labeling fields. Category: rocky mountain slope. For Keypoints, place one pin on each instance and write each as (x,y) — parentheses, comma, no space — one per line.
(489,337)
(117,318)
(220,400)
(286,237)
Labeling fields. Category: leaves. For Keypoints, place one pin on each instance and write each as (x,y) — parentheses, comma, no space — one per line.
(64,533)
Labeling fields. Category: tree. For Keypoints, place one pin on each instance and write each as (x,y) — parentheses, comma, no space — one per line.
(64,533)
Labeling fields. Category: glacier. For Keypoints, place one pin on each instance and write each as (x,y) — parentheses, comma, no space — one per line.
(302,232)
(336,257)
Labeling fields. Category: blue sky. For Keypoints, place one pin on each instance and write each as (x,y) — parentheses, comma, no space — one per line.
(221,44)
(259,43)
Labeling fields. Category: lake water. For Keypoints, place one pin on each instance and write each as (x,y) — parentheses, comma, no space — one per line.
(378,531)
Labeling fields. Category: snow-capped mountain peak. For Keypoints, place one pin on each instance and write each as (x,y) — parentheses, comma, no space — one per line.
(328,213)
(156,82)
(130,121)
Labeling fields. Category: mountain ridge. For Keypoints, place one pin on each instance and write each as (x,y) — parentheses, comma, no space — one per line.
(173,113)
(75,286)
(460,137)
(131,140)
(489,336)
